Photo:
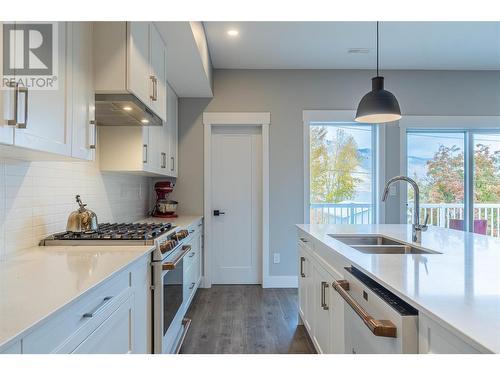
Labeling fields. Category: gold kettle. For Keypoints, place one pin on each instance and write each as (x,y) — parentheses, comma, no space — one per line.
(82,220)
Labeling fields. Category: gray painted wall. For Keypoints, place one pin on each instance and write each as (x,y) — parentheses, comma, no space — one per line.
(285,93)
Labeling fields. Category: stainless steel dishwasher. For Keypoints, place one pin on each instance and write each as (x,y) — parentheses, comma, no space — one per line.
(376,321)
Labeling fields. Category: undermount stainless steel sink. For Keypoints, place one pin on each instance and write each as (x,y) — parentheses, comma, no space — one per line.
(377,244)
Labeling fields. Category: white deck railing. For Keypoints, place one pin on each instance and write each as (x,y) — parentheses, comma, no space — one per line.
(439,214)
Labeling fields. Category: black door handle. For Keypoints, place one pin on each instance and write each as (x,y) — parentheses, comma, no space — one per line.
(218,213)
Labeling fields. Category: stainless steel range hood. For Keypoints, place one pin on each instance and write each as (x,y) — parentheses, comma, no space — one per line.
(123,110)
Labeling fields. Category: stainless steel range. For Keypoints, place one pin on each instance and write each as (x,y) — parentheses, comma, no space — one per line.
(170,247)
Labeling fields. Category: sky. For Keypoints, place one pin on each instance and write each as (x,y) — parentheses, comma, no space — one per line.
(421,147)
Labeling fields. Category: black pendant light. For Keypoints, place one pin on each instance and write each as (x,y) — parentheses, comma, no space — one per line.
(379,105)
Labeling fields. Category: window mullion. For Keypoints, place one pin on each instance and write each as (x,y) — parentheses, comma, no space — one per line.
(469,182)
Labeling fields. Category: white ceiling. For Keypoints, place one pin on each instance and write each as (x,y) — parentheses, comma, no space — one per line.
(324,45)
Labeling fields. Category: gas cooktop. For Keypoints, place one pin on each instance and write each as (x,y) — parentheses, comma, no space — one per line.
(144,233)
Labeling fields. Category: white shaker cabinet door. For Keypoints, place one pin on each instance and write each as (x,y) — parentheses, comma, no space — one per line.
(80,82)
(322,309)
(155,159)
(158,72)
(304,280)
(42,123)
(139,81)
(6,105)
(114,335)
(172,136)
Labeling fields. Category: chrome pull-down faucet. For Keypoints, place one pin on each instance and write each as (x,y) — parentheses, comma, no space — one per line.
(417,228)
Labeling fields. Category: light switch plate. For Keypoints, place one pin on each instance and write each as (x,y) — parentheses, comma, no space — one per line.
(277,258)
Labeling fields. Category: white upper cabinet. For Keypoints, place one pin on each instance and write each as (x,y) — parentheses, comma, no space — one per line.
(171,137)
(55,123)
(138,67)
(158,73)
(41,113)
(130,57)
(81,111)
(6,106)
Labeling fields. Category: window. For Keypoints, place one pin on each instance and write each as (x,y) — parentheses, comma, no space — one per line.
(436,162)
(458,173)
(341,173)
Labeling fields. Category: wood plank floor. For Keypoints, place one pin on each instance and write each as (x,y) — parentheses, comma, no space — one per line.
(245,319)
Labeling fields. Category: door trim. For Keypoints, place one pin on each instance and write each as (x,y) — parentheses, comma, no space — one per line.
(262,119)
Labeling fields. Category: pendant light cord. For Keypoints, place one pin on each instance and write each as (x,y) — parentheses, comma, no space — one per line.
(377,48)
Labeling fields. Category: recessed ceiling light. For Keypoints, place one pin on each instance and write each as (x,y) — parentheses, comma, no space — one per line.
(127,108)
(233,32)
(145,121)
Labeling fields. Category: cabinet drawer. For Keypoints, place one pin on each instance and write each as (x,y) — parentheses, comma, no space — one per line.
(66,329)
(191,278)
(114,335)
(191,256)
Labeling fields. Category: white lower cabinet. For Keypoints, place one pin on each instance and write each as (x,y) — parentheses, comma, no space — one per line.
(435,339)
(113,317)
(115,335)
(322,317)
(335,328)
(192,268)
(306,285)
(320,308)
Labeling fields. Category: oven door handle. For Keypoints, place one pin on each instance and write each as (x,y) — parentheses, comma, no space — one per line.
(383,328)
(170,265)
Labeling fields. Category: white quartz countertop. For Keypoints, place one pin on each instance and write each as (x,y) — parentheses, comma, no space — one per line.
(37,282)
(459,288)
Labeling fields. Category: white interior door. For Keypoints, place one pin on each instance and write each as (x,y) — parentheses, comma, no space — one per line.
(236,166)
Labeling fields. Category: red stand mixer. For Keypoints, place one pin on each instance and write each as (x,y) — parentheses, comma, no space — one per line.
(164,207)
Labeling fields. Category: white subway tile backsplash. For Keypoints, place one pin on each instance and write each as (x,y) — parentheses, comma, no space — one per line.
(37,197)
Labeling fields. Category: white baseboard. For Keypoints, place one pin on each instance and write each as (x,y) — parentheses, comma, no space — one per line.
(280,282)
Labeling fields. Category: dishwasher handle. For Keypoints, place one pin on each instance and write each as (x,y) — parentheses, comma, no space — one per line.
(383,328)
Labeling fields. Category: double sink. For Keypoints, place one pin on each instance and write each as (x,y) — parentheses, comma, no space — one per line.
(378,244)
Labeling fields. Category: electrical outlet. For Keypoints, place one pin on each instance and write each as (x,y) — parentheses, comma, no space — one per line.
(276,258)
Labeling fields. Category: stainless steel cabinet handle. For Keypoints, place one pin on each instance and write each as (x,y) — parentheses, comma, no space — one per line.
(302,260)
(156,89)
(192,286)
(152,96)
(98,308)
(173,163)
(384,328)
(14,86)
(22,90)
(144,154)
(163,160)
(324,285)
(93,145)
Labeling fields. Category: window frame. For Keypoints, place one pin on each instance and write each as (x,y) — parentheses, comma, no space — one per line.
(469,126)
(339,118)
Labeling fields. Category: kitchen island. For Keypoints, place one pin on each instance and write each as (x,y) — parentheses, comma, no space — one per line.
(455,287)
